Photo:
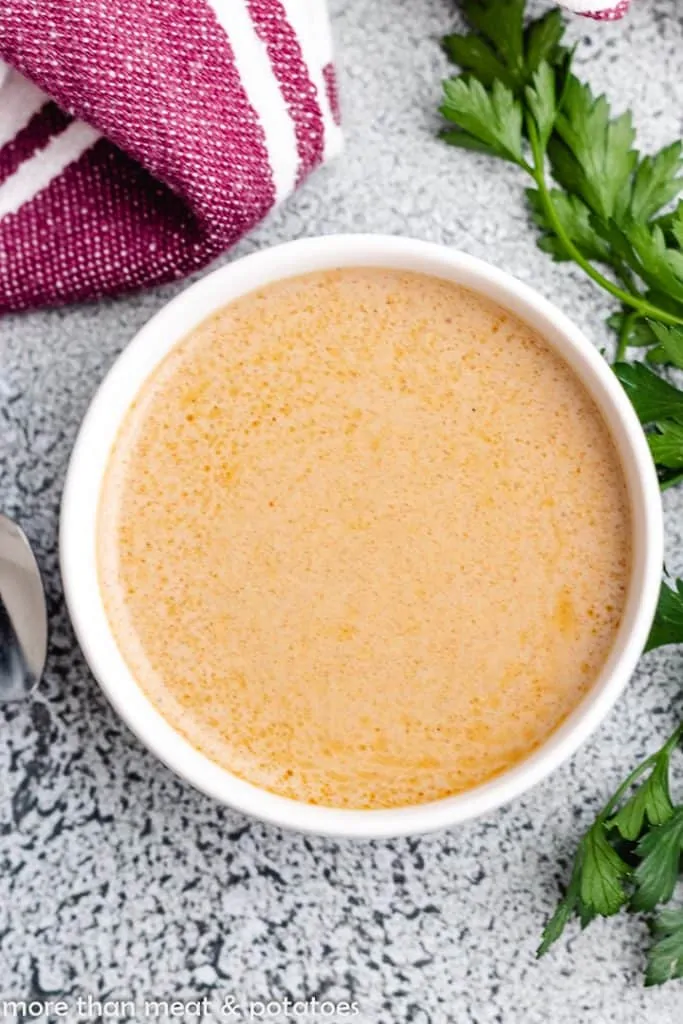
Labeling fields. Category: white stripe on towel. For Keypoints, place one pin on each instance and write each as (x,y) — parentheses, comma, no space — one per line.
(19,101)
(310,21)
(35,174)
(262,89)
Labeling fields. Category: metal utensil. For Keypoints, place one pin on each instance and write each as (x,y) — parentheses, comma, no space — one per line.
(23,615)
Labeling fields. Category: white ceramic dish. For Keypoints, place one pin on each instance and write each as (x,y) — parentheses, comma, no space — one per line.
(99,429)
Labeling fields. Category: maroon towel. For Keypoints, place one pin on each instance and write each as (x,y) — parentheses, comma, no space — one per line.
(139,139)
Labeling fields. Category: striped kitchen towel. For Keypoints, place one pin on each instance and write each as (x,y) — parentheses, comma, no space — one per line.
(139,139)
(599,10)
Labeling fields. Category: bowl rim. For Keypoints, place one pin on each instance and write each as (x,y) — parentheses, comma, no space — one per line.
(90,456)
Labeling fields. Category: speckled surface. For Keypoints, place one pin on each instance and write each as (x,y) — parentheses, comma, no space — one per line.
(117,880)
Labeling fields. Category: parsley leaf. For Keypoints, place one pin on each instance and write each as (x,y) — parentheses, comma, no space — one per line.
(457,137)
(543,40)
(677,225)
(651,801)
(596,885)
(601,149)
(540,98)
(502,24)
(665,958)
(574,216)
(667,445)
(474,54)
(653,398)
(660,266)
(656,182)
(670,344)
(502,51)
(494,118)
(565,908)
(602,873)
(671,224)
(667,627)
(657,873)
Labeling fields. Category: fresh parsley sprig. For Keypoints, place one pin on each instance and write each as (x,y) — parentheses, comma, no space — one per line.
(630,857)
(599,203)
(667,627)
(666,954)
(595,199)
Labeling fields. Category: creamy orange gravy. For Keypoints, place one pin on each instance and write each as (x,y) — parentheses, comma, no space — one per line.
(364,539)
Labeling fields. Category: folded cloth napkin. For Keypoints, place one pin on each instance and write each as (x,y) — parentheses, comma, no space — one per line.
(139,139)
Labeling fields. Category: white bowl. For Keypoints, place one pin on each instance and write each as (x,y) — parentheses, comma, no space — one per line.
(99,429)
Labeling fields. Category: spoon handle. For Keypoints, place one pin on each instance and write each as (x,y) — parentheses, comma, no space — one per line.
(15,675)
(23,615)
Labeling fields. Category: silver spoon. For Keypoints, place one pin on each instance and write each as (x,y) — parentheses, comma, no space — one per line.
(23,615)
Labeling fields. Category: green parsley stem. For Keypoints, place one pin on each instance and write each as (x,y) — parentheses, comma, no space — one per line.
(644,307)
(626,326)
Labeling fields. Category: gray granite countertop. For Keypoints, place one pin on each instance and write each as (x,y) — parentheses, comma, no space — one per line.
(117,880)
